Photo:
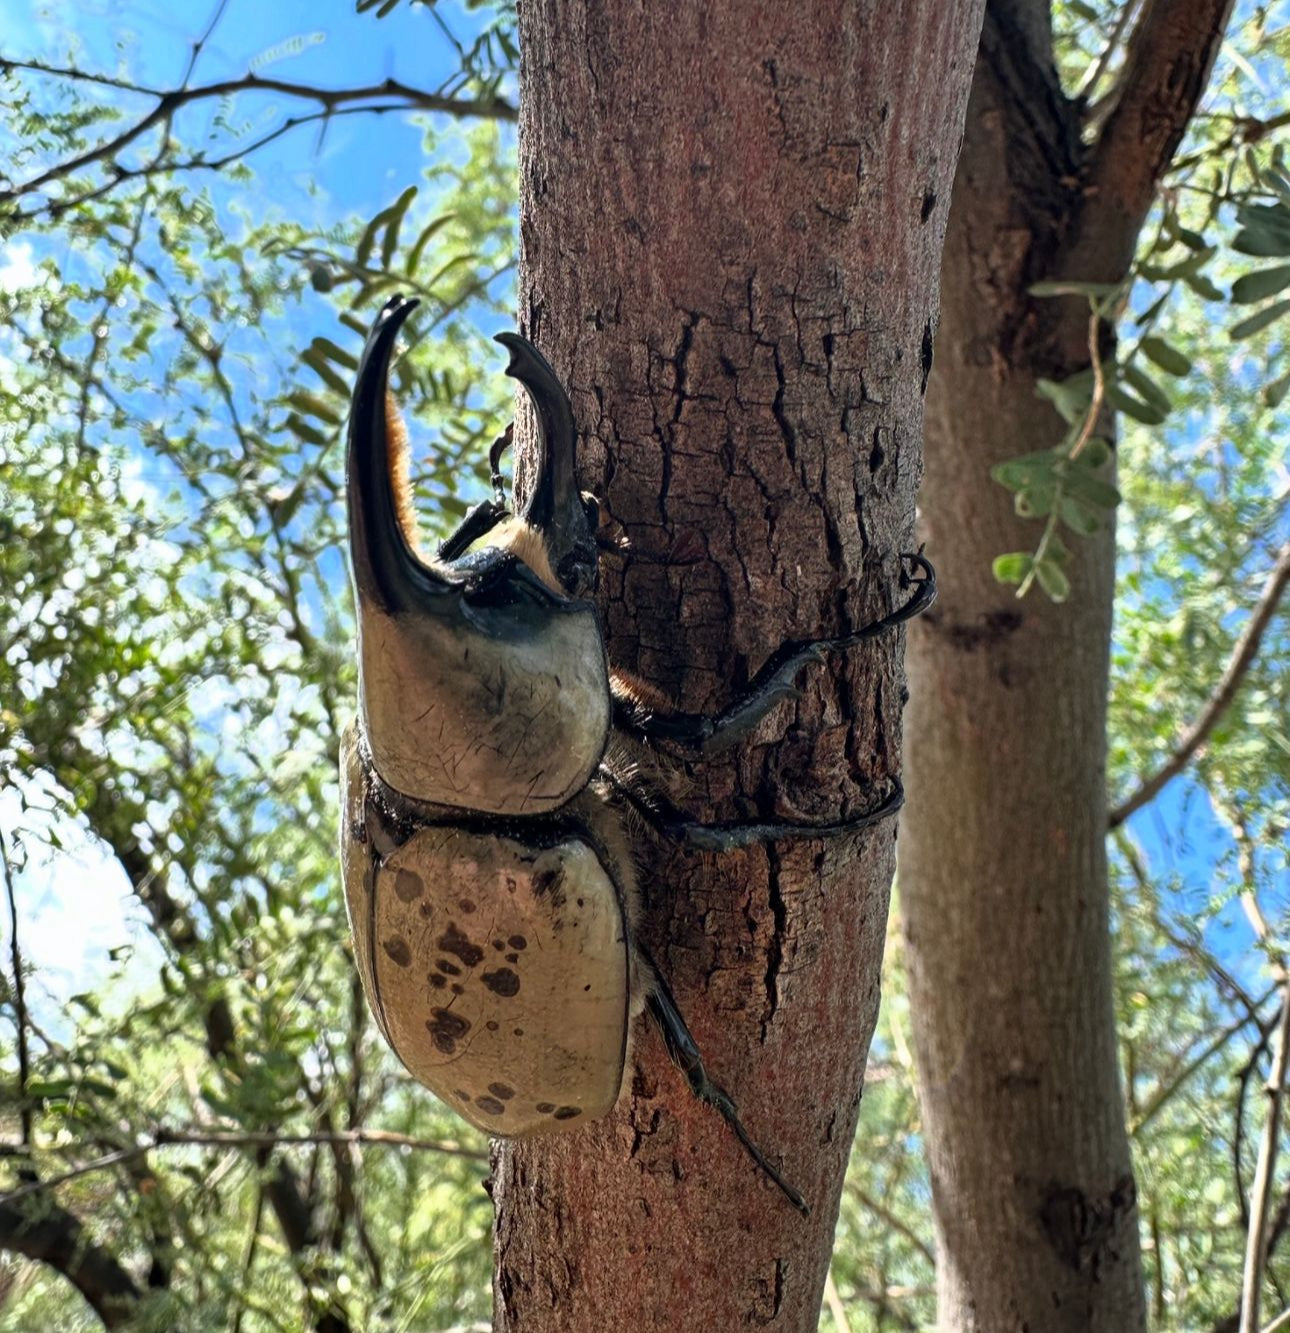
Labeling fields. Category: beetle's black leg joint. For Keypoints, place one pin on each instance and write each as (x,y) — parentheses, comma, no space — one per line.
(770,686)
(479,522)
(685,1055)
(668,819)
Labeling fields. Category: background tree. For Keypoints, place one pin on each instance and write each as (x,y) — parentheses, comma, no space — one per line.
(1004,877)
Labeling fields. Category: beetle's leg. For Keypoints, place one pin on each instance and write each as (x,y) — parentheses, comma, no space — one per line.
(479,522)
(770,686)
(685,1054)
(487,514)
(663,815)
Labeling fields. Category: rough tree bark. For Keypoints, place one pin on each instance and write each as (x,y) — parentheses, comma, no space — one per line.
(731,220)
(1003,865)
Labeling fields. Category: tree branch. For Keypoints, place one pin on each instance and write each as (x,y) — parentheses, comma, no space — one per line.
(168,101)
(52,1235)
(1165,72)
(239,1139)
(1256,1252)
(1243,655)
(19,996)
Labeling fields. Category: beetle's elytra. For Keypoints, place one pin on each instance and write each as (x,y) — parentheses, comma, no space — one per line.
(489,884)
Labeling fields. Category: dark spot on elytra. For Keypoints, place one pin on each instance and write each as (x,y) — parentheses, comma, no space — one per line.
(502,982)
(466,905)
(450,968)
(929,203)
(580,902)
(519,1032)
(458,988)
(461,1096)
(453,941)
(518,942)
(447,1029)
(566,1112)
(502,1091)
(437,981)
(408,885)
(512,958)
(426,910)
(544,1108)
(587,987)
(925,354)
(491,1105)
(548,881)
(492,1025)
(396,947)
(499,945)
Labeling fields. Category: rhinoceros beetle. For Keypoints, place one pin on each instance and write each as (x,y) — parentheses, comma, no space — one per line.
(489,780)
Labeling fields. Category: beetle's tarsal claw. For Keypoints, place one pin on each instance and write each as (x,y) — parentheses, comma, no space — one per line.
(685,1054)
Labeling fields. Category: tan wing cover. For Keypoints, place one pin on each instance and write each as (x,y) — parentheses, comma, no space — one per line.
(499,974)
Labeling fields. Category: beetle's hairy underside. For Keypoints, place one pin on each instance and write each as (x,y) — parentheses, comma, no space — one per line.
(492,775)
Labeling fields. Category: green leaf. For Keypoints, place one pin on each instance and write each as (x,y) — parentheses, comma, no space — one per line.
(397,213)
(334,353)
(304,401)
(1151,392)
(317,362)
(1078,517)
(1091,490)
(1125,402)
(1268,315)
(1255,286)
(427,235)
(1052,579)
(1166,356)
(1203,288)
(1274,393)
(1014,567)
(1097,452)
(1016,473)
(1071,397)
(1188,267)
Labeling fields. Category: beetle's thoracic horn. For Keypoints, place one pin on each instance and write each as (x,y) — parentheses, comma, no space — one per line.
(554,505)
(387,570)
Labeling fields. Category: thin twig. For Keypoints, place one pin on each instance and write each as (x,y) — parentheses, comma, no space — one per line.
(1281,1322)
(885,1214)
(1243,655)
(1093,75)
(1166,1091)
(834,1301)
(165,1138)
(19,997)
(1256,1249)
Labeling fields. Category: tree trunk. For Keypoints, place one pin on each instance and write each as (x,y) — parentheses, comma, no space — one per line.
(1003,864)
(731,217)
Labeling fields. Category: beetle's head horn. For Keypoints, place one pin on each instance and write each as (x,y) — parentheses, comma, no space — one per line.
(382,539)
(555,506)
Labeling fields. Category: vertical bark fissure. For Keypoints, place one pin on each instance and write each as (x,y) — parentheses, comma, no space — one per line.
(723,230)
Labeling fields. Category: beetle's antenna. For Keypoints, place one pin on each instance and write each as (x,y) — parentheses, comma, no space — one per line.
(685,1054)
